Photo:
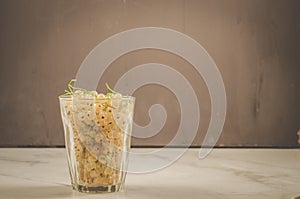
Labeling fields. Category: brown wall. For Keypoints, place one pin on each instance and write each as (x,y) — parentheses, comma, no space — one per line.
(255,44)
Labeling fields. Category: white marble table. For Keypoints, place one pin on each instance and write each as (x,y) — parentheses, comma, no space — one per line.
(225,173)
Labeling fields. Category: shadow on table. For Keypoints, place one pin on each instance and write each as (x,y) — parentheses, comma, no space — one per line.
(33,191)
(131,192)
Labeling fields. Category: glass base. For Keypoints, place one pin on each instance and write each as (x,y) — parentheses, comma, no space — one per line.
(98,189)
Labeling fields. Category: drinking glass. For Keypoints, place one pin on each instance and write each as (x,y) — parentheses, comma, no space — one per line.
(97,138)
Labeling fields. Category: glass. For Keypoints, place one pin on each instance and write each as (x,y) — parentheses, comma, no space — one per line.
(97,139)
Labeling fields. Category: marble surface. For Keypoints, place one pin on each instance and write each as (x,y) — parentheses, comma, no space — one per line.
(225,173)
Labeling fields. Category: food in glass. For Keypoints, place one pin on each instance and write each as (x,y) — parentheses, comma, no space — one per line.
(97,136)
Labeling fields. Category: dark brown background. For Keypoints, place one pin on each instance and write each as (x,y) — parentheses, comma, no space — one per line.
(255,44)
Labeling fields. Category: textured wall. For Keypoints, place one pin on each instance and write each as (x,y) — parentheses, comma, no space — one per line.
(255,43)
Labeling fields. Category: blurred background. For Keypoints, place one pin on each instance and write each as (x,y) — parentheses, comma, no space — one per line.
(254,43)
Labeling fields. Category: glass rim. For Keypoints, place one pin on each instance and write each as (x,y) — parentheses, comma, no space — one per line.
(70,98)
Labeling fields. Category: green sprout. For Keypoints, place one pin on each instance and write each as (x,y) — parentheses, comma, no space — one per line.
(70,87)
(109,89)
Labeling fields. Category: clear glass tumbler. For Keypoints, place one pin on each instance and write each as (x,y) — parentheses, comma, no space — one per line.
(97,139)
